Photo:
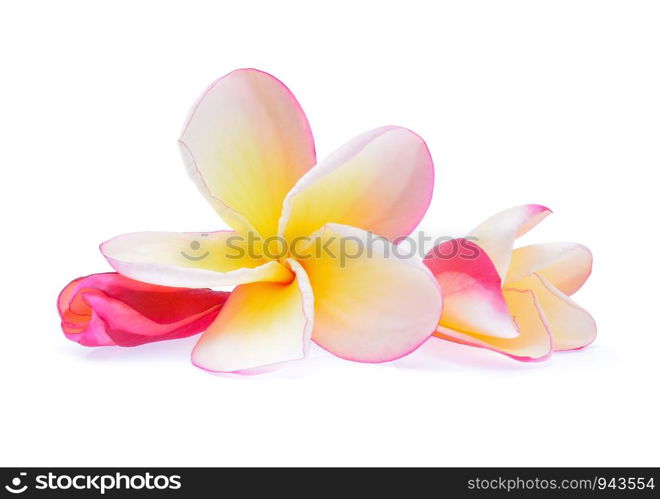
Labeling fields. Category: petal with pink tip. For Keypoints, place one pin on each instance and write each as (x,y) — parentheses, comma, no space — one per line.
(262,324)
(566,265)
(190,259)
(381,181)
(370,304)
(497,234)
(471,290)
(571,326)
(534,343)
(110,309)
(246,143)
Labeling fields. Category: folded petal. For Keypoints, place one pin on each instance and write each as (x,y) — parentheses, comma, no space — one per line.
(571,326)
(471,290)
(371,305)
(381,181)
(190,259)
(534,343)
(261,325)
(566,265)
(497,234)
(110,309)
(245,144)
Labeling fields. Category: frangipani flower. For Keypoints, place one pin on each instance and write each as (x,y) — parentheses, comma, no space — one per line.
(249,149)
(515,302)
(110,309)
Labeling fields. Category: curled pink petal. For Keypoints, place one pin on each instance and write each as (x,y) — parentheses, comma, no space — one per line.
(497,234)
(566,265)
(572,327)
(471,290)
(535,342)
(110,309)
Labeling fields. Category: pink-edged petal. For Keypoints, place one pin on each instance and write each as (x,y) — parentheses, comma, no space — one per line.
(245,144)
(566,265)
(370,304)
(471,290)
(110,309)
(381,181)
(262,324)
(190,259)
(572,327)
(534,343)
(497,234)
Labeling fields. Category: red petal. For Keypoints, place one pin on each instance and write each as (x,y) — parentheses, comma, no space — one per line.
(110,309)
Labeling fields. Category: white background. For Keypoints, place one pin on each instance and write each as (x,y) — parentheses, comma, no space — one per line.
(552,102)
